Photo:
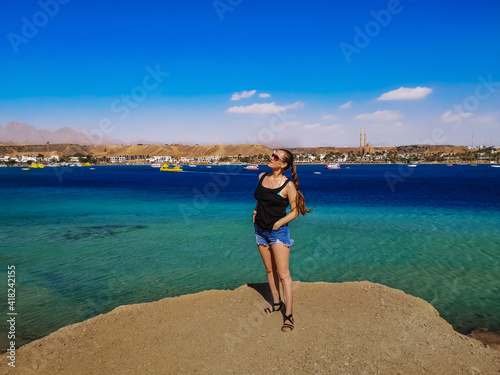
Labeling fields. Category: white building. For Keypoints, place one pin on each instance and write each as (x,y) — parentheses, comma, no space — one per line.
(119,159)
(25,159)
(164,159)
(55,158)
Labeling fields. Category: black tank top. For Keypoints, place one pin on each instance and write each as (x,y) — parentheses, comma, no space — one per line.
(270,205)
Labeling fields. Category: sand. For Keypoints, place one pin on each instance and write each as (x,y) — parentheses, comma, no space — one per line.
(347,328)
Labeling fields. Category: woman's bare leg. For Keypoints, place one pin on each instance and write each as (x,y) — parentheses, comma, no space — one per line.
(281,255)
(272,275)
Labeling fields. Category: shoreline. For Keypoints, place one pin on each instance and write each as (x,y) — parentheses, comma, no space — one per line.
(263,165)
(359,327)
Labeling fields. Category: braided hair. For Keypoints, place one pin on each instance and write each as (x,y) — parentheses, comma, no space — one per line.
(300,201)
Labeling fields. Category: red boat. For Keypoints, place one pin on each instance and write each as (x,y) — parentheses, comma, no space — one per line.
(252,167)
(333,166)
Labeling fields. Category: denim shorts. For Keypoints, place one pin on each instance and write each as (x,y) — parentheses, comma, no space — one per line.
(266,238)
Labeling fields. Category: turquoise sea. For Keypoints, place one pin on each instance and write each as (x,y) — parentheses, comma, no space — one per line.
(86,241)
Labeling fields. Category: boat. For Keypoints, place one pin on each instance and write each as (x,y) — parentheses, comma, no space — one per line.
(192,165)
(209,166)
(173,168)
(449,164)
(495,165)
(317,172)
(252,167)
(34,165)
(333,166)
(86,165)
(156,165)
(25,169)
(412,165)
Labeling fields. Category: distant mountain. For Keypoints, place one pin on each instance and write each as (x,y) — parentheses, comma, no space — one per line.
(19,132)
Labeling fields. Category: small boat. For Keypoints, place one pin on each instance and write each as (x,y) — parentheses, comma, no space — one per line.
(25,169)
(495,165)
(86,165)
(173,168)
(449,164)
(412,165)
(34,165)
(209,166)
(192,165)
(333,166)
(92,169)
(156,165)
(317,172)
(252,167)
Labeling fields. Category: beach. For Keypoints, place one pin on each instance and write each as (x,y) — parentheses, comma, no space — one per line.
(344,328)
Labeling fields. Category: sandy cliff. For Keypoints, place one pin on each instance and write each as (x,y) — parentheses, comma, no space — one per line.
(347,328)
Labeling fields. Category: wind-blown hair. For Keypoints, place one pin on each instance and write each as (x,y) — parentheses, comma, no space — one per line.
(300,201)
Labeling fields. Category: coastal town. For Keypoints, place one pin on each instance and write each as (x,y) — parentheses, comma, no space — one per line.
(77,155)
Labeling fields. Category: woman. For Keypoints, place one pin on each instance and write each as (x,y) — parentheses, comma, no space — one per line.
(273,195)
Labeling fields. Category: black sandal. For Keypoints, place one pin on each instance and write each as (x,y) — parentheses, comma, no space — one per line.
(269,310)
(287,325)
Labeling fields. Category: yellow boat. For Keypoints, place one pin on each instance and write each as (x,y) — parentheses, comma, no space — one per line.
(34,165)
(25,169)
(167,168)
(86,165)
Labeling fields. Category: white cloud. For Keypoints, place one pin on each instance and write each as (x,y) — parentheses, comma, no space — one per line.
(295,105)
(264,95)
(406,93)
(346,105)
(452,116)
(319,127)
(244,94)
(312,126)
(329,117)
(380,116)
(487,119)
(257,108)
(264,108)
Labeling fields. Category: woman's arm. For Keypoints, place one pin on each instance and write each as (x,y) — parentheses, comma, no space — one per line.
(292,195)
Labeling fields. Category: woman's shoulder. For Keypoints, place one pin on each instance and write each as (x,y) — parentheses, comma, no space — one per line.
(262,174)
(289,184)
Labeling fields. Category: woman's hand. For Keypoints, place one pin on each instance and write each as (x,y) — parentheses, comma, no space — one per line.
(254,213)
(276,226)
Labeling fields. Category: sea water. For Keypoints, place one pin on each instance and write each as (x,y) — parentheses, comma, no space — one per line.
(84,241)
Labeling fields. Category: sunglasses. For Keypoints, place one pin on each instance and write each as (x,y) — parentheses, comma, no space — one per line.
(275,157)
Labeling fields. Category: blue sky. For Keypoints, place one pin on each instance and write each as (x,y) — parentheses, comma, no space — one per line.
(297,73)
